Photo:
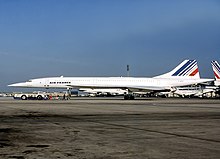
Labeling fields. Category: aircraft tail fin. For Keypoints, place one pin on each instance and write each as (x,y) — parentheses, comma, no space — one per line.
(186,69)
(216,69)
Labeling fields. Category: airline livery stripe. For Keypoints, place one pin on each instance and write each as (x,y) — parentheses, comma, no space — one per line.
(187,67)
(216,65)
(216,69)
(194,72)
(181,69)
(216,75)
(191,69)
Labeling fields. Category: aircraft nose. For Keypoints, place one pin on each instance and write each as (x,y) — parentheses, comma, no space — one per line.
(16,85)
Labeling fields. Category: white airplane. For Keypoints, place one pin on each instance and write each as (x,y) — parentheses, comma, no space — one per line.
(216,70)
(188,91)
(197,91)
(184,74)
(108,91)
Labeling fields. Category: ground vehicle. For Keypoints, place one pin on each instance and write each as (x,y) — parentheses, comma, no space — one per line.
(35,95)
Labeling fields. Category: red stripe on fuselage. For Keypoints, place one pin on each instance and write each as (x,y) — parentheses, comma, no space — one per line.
(194,72)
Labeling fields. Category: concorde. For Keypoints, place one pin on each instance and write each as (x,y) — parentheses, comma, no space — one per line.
(186,73)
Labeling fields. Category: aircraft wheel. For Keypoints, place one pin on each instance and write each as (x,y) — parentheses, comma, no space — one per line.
(39,97)
(125,97)
(24,97)
(129,97)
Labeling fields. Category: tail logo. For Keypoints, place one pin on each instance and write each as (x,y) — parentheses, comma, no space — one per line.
(216,69)
(190,68)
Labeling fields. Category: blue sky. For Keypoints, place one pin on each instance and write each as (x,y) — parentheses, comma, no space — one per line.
(40,38)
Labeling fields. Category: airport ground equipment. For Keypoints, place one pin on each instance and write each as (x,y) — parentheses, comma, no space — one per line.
(33,96)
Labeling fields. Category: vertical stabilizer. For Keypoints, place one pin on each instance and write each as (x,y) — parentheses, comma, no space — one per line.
(186,69)
(216,70)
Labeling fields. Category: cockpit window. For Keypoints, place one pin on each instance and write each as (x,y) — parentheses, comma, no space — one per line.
(29,81)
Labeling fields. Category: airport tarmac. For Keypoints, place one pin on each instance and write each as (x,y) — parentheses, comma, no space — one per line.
(110,128)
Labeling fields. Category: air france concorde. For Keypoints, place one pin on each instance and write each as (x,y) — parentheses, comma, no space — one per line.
(186,73)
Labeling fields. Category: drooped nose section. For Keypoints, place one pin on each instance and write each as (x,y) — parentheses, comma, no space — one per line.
(22,84)
(35,83)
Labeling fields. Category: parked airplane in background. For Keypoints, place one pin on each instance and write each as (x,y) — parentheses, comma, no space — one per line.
(216,70)
(196,91)
(184,74)
(104,92)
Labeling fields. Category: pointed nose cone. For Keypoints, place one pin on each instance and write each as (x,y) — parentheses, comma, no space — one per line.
(17,85)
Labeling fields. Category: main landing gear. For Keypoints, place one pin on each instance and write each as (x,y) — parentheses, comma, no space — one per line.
(129,96)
